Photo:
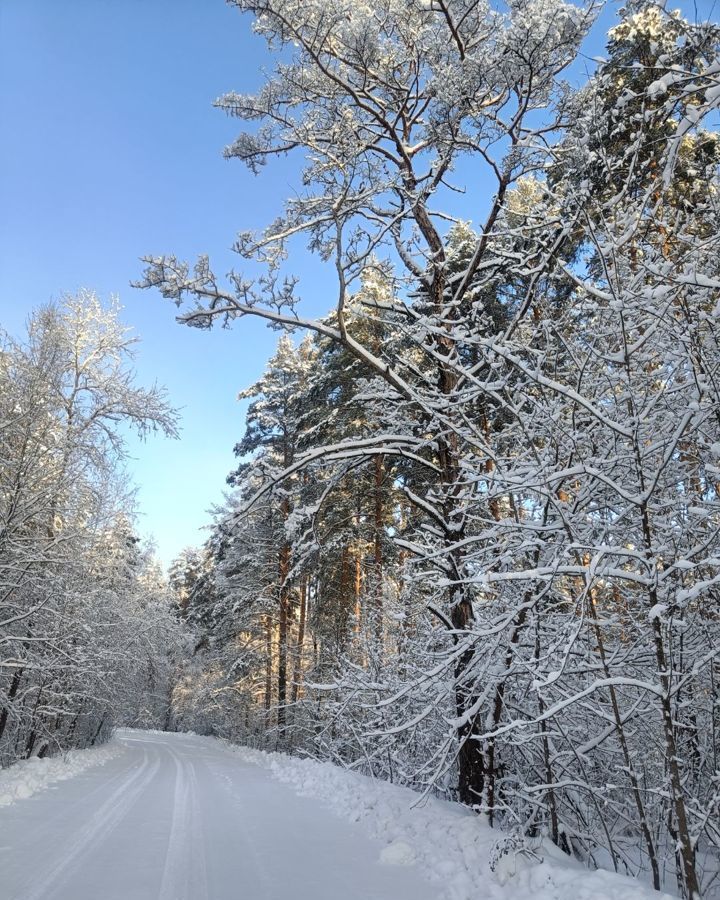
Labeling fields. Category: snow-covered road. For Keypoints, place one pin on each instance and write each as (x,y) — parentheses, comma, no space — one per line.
(177,817)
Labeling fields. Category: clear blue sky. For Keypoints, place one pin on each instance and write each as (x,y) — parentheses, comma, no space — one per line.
(111,149)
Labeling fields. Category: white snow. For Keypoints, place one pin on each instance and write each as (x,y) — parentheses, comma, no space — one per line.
(29,776)
(157,816)
(464,857)
(399,853)
(181,817)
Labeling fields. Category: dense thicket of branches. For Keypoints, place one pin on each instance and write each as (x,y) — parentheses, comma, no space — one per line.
(86,627)
(473,544)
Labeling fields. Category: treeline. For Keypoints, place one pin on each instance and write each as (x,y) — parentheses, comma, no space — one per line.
(473,543)
(87,627)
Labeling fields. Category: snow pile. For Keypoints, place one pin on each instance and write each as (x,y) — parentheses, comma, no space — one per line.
(452,846)
(399,853)
(28,776)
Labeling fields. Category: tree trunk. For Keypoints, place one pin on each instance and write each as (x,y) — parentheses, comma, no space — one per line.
(267,700)
(101,723)
(298,672)
(282,657)
(378,544)
(357,586)
(622,740)
(686,850)
(12,693)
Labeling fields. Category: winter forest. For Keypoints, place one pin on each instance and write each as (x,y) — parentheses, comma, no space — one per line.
(471,545)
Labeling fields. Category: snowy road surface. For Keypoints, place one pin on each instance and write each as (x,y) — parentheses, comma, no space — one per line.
(177,817)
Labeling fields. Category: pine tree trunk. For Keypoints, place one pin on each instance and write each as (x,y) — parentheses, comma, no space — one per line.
(343,577)
(378,544)
(267,700)
(298,672)
(358,591)
(284,571)
(471,762)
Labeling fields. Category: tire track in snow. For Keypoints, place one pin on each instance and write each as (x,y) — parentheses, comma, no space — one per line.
(52,823)
(199,864)
(184,872)
(262,888)
(173,877)
(101,823)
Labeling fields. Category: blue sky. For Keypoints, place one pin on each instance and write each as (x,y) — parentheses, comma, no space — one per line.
(111,149)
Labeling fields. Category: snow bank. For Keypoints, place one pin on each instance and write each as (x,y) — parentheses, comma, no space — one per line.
(452,846)
(28,776)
